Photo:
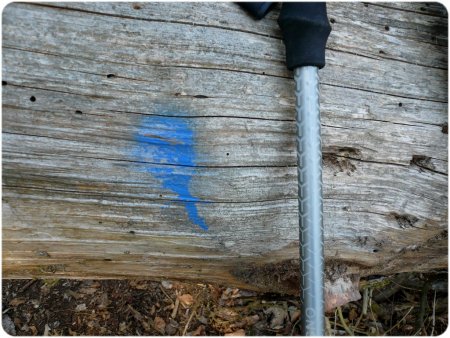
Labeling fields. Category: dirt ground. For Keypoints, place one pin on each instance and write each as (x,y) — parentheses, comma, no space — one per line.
(404,304)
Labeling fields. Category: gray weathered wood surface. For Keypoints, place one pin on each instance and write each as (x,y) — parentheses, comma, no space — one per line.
(77,202)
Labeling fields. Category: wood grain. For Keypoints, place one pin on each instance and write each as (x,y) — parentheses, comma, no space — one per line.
(78,201)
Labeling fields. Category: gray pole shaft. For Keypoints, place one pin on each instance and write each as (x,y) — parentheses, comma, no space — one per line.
(309,159)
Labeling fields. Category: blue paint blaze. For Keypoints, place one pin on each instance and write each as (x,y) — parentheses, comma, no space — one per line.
(170,141)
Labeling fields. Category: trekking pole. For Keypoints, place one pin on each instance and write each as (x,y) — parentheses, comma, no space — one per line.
(305,29)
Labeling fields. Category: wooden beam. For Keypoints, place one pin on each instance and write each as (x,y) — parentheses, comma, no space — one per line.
(128,129)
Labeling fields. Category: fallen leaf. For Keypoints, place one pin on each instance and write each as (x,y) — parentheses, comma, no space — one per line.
(122,327)
(74,294)
(159,324)
(215,292)
(145,324)
(295,315)
(186,300)
(152,310)
(17,301)
(352,314)
(226,314)
(88,291)
(200,331)
(235,293)
(17,321)
(104,314)
(227,292)
(139,285)
(72,333)
(103,301)
(33,330)
(238,325)
(240,332)
(251,320)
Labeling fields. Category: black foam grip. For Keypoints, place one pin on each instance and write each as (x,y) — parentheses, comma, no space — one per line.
(305,29)
(257,9)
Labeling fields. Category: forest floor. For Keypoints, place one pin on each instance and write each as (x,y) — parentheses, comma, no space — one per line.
(403,304)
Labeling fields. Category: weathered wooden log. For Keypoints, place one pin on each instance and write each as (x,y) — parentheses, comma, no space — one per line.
(131,128)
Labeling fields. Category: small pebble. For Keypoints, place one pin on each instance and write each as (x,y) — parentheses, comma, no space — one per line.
(81,307)
(203,320)
(8,325)
(166,284)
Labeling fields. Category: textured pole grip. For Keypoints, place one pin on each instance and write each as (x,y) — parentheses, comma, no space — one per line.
(309,158)
(305,30)
(256,9)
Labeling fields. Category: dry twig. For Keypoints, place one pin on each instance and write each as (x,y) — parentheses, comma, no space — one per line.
(433,316)
(27,285)
(423,306)
(165,293)
(194,311)
(399,322)
(344,324)
(175,308)
(188,322)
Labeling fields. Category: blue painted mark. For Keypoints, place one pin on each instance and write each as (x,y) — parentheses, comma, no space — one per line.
(170,142)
